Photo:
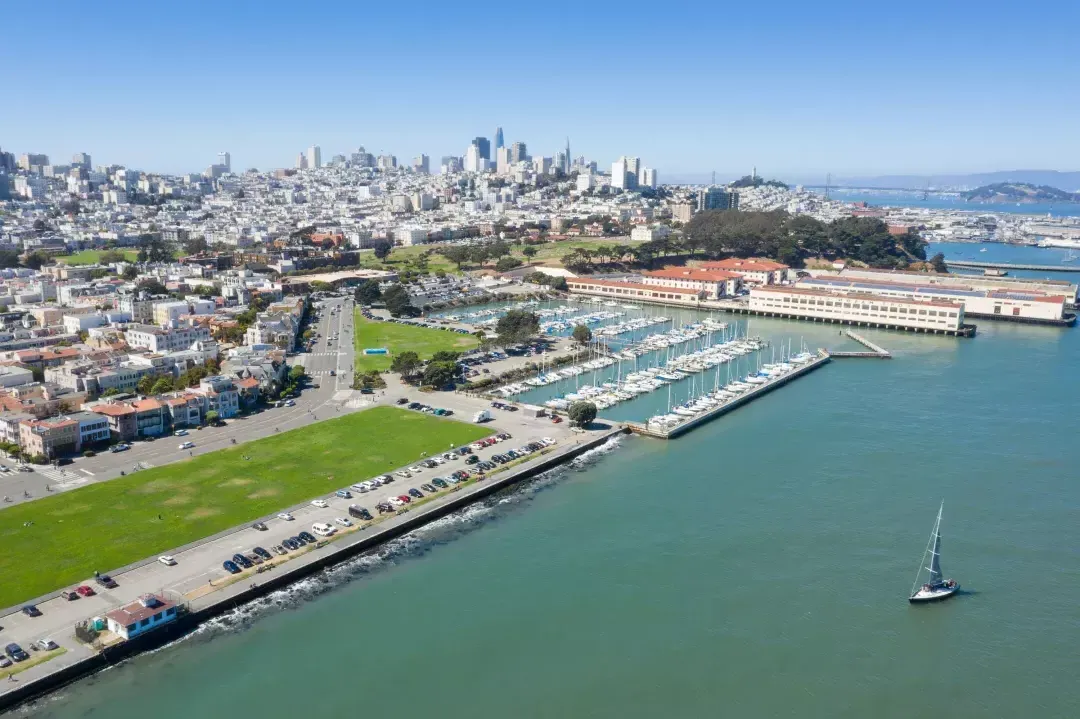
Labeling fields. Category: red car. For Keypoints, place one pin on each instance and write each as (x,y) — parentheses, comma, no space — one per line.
(84,591)
(405,498)
(556,419)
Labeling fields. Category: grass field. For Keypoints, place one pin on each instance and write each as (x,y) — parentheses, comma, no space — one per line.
(111,524)
(92,257)
(402,338)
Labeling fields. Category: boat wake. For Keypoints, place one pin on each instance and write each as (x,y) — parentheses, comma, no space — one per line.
(412,545)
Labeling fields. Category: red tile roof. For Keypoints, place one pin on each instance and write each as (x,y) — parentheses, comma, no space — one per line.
(750,264)
(692,273)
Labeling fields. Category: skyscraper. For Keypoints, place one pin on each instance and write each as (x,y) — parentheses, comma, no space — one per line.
(314,157)
(566,160)
(498,138)
(422,163)
(484,146)
(716,198)
(518,152)
(474,162)
(624,173)
(225,160)
(81,159)
(301,161)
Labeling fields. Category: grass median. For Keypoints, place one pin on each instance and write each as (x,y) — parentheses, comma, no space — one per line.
(395,338)
(58,541)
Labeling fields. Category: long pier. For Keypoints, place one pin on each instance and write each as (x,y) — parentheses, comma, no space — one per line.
(874,350)
(1010,266)
(649,430)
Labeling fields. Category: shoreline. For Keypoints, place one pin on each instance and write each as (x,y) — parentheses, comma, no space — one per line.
(210,606)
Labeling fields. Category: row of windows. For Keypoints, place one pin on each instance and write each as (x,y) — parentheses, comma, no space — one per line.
(871,307)
(779,306)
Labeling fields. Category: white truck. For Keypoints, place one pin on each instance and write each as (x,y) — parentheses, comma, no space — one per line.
(482,416)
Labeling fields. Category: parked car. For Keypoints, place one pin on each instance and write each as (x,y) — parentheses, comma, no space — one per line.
(343,521)
(290,544)
(120,447)
(472,459)
(404,474)
(230,566)
(359,512)
(415,493)
(167,560)
(307,537)
(242,560)
(84,590)
(343,493)
(403,400)
(286,516)
(16,652)
(262,552)
(69,594)
(259,526)
(187,445)
(440,483)
(180,433)
(5,662)
(31,611)
(278,549)
(47,645)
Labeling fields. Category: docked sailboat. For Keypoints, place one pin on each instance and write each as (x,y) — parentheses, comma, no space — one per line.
(936,588)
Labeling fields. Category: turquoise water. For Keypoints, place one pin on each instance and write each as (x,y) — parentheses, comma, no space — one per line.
(757,567)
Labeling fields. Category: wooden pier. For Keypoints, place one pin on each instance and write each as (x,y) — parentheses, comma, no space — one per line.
(658,432)
(874,351)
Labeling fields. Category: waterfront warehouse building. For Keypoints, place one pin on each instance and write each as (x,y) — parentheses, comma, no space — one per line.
(714,283)
(626,290)
(753,270)
(1012,305)
(858,309)
(1022,284)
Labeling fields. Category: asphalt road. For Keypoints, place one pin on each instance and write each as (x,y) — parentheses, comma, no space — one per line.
(311,406)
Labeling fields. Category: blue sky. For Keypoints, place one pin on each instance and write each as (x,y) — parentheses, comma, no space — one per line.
(796,88)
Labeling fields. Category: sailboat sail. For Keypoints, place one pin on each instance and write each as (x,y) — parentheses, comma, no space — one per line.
(935,557)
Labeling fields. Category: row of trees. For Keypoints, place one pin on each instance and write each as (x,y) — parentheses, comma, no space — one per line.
(494,252)
(793,239)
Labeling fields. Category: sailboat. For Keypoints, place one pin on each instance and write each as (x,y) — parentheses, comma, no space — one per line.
(936,588)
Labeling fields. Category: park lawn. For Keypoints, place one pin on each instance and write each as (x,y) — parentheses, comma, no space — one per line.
(402,338)
(111,524)
(400,258)
(92,257)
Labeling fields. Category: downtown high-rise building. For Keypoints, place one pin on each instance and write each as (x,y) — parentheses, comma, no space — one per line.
(518,152)
(717,198)
(81,159)
(301,161)
(314,157)
(225,160)
(422,163)
(624,173)
(484,146)
(498,139)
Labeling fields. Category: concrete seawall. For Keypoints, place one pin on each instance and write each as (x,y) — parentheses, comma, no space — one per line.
(241,592)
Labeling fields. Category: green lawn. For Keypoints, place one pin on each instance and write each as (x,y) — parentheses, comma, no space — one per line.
(401,338)
(92,257)
(111,524)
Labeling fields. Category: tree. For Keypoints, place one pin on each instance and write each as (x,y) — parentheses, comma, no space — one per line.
(445,356)
(517,326)
(9,258)
(153,286)
(36,259)
(582,335)
(405,363)
(130,272)
(439,374)
(162,385)
(398,302)
(529,251)
(212,417)
(505,264)
(111,256)
(938,262)
(296,373)
(146,383)
(582,413)
(111,392)
(458,254)
(196,245)
(367,292)
(383,249)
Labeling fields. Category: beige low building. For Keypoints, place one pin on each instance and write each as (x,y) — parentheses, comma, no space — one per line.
(858,309)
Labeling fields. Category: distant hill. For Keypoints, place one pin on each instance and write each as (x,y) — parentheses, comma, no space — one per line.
(1022,192)
(1069,181)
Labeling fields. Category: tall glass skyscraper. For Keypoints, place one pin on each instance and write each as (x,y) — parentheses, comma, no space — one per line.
(498,138)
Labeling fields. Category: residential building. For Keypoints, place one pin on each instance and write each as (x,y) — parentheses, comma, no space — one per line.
(717,198)
(314,157)
(13,376)
(157,339)
(166,314)
(682,212)
(518,153)
(50,438)
(222,395)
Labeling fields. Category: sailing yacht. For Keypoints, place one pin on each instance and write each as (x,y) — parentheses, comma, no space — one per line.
(936,588)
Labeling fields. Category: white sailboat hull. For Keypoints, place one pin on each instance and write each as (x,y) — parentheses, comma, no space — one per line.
(933,594)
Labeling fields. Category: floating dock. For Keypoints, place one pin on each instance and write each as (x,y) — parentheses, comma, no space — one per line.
(873,350)
(652,430)
(1009,266)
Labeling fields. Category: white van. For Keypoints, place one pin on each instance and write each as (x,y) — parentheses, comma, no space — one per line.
(322,529)
(482,416)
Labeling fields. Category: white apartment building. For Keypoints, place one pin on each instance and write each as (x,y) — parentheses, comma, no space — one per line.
(409,236)
(714,283)
(161,340)
(140,307)
(166,313)
(866,309)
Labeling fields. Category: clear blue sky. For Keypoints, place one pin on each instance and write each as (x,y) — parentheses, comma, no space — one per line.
(795,88)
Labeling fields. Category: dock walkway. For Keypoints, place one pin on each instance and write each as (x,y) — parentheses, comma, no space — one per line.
(1010,266)
(648,430)
(874,350)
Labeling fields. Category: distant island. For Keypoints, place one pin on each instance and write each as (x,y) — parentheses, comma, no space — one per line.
(1020,192)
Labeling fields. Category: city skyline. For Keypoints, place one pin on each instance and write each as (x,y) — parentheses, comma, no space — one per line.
(811,89)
